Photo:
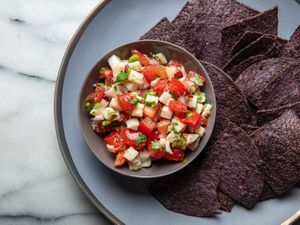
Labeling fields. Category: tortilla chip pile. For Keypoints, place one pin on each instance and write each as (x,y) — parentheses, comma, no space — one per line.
(254,151)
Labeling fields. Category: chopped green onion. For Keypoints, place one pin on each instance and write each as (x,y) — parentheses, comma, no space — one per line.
(197,80)
(134,101)
(141,139)
(88,106)
(201,98)
(179,141)
(105,123)
(188,115)
(100,84)
(193,90)
(121,77)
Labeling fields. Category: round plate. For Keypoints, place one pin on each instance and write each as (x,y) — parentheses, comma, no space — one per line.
(122,199)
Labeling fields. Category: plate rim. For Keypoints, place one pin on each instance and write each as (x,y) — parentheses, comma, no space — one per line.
(60,134)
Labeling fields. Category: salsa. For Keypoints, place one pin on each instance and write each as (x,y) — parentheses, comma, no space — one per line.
(148,108)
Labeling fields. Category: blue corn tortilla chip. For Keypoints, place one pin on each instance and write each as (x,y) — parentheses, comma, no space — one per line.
(293,47)
(267,193)
(231,102)
(226,203)
(249,129)
(260,46)
(160,31)
(253,80)
(266,115)
(265,22)
(278,143)
(284,89)
(199,23)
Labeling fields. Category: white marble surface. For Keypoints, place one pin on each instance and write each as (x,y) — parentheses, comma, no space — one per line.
(36,187)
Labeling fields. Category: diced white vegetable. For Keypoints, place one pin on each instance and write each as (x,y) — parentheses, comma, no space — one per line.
(206,110)
(121,89)
(135,77)
(178,125)
(109,113)
(135,164)
(144,156)
(147,163)
(194,145)
(137,66)
(165,97)
(114,104)
(190,138)
(110,148)
(166,112)
(138,110)
(162,141)
(114,61)
(100,116)
(181,79)
(98,108)
(131,86)
(199,108)
(183,71)
(130,154)
(171,71)
(112,92)
(154,82)
(168,148)
(171,137)
(192,103)
(151,98)
(200,131)
(132,124)
(162,58)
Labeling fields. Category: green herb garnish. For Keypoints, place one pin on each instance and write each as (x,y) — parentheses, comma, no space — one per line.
(155,145)
(192,90)
(100,85)
(121,77)
(141,139)
(186,98)
(179,141)
(153,93)
(89,106)
(102,70)
(151,104)
(133,58)
(197,80)
(188,115)
(201,98)
(105,123)
(134,101)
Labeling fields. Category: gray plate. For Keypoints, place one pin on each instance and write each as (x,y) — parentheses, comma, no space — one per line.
(121,198)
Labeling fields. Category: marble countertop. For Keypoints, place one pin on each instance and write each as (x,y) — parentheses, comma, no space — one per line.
(36,187)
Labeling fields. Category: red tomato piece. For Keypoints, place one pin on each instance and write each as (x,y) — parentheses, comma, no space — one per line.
(105,72)
(150,112)
(152,71)
(177,106)
(191,119)
(124,102)
(120,159)
(156,153)
(129,136)
(174,63)
(143,59)
(162,126)
(191,74)
(115,140)
(96,97)
(147,125)
(161,86)
(203,120)
(178,155)
(176,87)
(152,137)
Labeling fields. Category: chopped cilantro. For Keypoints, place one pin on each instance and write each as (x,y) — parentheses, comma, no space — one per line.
(174,96)
(155,145)
(134,101)
(112,114)
(197,80)
(179,141)
(105,123)
(153,93)
(188,115)
(151,104)
(173,125)
(201,98)
(88,106)
(193,90)
(100,84)
(133,58)
(102,70)
(186,98)
(141,139)
(121,77)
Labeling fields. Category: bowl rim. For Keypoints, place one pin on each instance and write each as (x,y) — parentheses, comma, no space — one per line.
(125,173)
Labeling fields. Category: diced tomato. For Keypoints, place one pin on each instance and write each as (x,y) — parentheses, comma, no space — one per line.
(96,97)
(191,119)
(174,63)
(129,136)
(178,74)
(161,86)
(162,126)
(155,153)
(105,72)
(203,120)
(176,87)
(120,159)
(150,112)
(143,59)
(191,74)
(177,106)
(147,125)
(152,137)
(178,155)
(115,140)
(124,102)
(152,71)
